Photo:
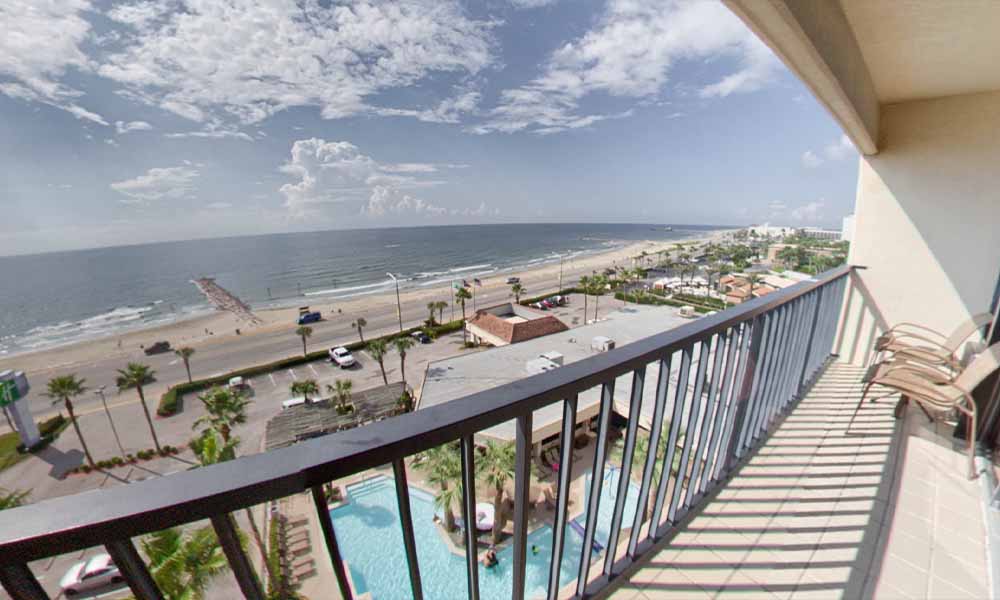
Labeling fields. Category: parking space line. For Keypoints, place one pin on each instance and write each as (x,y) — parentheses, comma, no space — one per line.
(292,373)
(271,377)
(313,369)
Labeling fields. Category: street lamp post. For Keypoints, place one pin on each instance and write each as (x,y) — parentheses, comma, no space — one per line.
(560,273)
(100,392)
(399,307)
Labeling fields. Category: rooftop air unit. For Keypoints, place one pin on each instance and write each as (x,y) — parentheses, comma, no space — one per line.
(602,344)
(553,356)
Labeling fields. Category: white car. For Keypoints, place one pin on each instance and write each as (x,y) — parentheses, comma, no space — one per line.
(342,356)
(297,401)
(97,572)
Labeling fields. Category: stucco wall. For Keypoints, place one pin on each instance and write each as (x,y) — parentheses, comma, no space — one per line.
(927,219)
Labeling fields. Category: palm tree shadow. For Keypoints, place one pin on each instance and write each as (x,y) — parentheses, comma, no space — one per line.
(60,462)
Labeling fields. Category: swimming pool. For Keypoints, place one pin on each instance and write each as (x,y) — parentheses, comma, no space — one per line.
(371,542)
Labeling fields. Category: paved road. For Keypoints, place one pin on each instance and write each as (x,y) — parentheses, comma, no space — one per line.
(218,357)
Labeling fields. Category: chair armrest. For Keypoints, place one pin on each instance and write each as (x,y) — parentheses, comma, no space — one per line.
(901,328)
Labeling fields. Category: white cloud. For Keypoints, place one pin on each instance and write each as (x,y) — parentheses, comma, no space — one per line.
(385,201)
(449,110)
(840,149)
(140,14)
(248,60)
(218,205)
(212,131)
(630,53)
(330,173)
(810,212)
(531,3)
(810,160)
(157,183)
(39,43)
(123,127)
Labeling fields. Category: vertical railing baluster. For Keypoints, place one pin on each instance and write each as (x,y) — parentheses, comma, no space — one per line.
(721,400)
(812,321)
(655,432)
(772,355)
(562,498)
(406,522)
(133,569)
(802,332)
(522,484)
(330,538)
(781,365)
(20,583)
(596,481)
(690,433)
(625,474)
(764,324)
(469,515)
(240,565)
(712,408)
(734,382)
(666,470)
(745,391)
(777,371)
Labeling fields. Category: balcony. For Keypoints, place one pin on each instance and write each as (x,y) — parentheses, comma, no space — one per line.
(773,490)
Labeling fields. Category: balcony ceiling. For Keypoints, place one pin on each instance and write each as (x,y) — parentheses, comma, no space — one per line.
(918,49)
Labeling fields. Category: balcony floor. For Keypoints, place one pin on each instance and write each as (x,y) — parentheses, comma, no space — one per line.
(884,511)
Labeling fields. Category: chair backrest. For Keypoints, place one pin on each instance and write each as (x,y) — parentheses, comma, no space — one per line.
(985,363)
(963,331)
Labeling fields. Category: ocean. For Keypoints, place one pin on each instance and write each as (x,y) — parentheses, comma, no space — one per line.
(62,297)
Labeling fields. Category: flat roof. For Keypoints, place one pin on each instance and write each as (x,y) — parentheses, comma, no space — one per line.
(452,378)
(321,417)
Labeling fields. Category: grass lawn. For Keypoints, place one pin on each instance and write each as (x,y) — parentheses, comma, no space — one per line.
(9,456)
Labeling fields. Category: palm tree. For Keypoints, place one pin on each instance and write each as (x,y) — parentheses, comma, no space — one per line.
(378,349)
(137,375)
(306,387)
(185,354)
(341,389)
(402,344)
(183,563)
(431,307)
(217,444)
(462,295)
(496,467)
(753,279)
(517,289)
(360,324)
(441,305)
(443,466)
(585,288)
(12,499)
(224,409)
(597,284)
(304,333)
(64,388)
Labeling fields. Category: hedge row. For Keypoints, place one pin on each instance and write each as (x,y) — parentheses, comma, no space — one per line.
(129,459)
(658,301)
(703,300)
(171,399)
(565,292)
(49,430)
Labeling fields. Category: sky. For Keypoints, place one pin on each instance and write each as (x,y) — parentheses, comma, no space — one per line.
(125,122)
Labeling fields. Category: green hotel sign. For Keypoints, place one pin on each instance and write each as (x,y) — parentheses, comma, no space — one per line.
(8,393)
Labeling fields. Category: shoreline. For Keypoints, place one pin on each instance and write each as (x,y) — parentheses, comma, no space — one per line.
(216,327)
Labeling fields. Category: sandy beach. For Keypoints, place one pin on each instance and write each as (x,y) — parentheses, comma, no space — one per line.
(220,327)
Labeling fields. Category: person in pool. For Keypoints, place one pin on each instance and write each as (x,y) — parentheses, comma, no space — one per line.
(490,559)
(534,549)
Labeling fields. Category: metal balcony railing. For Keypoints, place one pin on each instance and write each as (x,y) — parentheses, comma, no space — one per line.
(736,372)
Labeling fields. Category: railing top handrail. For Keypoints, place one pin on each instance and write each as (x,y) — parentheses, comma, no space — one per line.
(68,523)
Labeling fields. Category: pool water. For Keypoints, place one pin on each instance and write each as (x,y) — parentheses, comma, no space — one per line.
(371,542)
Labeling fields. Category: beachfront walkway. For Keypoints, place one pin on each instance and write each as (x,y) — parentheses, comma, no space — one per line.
(883,511)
